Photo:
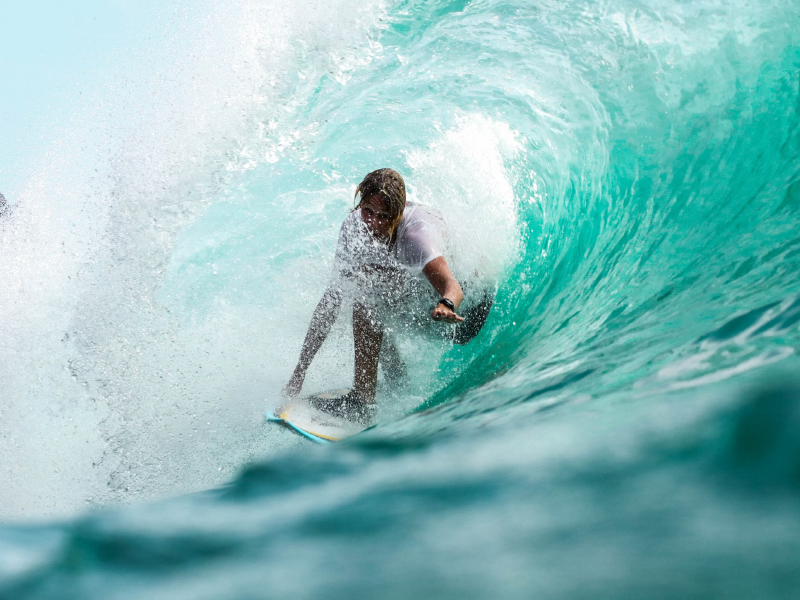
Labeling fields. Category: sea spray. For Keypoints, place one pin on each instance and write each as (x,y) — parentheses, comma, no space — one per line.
(622,425)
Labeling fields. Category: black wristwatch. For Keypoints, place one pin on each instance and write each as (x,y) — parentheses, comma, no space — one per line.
(448,303)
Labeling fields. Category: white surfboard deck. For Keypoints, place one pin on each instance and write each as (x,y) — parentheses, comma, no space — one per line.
(312,423)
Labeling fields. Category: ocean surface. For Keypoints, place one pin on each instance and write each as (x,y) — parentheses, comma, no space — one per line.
(626,174)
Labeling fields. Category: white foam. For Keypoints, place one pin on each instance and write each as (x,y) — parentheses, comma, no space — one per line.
(98,379)
(465,175)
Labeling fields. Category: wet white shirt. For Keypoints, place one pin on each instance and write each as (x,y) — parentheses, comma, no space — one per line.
(421,237)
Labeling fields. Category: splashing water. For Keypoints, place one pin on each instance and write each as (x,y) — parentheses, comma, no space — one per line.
(628,175)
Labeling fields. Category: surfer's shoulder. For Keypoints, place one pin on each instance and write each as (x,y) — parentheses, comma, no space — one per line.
(419,215)
(415,210)
(352,217)
(351,223)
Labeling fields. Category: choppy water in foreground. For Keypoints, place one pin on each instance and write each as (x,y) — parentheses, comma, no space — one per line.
(626,425)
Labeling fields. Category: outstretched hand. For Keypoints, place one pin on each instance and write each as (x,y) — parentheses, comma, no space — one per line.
(295,384)
(441,313)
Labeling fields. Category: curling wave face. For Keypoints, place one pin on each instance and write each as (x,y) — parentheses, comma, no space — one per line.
(627,175)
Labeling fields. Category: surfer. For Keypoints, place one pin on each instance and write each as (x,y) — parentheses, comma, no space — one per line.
(382,243)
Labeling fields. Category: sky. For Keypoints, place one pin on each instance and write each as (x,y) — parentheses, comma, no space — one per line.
(49,50)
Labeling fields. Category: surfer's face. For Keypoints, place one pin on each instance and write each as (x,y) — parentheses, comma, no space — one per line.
(376,215)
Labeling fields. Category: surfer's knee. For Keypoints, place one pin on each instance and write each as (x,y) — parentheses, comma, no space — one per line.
(394,369)
(365,314)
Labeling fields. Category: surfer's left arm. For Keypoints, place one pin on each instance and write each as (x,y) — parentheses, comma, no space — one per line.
(321,322)
(441,278)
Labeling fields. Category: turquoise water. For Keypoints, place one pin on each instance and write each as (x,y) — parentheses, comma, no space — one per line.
(626,424)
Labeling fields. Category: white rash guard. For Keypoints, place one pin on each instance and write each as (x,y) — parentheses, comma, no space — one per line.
(421,237)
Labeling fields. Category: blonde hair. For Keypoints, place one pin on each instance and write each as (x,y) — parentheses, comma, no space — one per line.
(389,185)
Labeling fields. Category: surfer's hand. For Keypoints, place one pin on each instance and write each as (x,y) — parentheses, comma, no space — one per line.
(441,313)
(295,384)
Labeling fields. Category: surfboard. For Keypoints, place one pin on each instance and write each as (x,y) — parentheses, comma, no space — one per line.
(313,424)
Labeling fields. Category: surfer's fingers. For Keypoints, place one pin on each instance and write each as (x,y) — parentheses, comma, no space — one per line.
(446,315)
(451,317)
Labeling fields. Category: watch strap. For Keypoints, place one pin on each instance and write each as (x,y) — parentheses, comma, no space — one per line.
(448,303)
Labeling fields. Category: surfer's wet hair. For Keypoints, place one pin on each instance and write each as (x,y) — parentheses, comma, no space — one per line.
(387,184)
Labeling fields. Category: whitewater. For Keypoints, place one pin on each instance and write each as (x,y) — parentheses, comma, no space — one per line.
(625,174)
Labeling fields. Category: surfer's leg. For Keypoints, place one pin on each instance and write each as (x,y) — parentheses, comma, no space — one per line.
(394,369)
(367,338)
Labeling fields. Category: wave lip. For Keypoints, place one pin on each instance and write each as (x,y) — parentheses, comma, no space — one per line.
(628,180)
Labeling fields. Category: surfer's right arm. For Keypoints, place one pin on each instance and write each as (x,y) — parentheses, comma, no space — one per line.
(321,322)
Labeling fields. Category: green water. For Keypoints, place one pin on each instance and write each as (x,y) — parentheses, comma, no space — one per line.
(626,174)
